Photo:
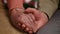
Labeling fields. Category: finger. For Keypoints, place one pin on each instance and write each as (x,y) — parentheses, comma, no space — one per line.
(27,29)
(35,12)
(24,19)
(31,20)
(23,26)
(19,24)
(32,16)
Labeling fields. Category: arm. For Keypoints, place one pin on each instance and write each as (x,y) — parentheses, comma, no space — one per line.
(15,3)
(48,6)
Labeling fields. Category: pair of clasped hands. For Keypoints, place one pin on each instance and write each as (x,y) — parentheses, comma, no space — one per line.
(31,20)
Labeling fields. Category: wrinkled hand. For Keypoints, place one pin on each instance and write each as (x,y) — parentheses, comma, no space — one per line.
(31,19)
(40,18)
(22,19)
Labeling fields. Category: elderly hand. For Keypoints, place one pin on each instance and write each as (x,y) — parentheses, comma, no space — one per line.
(21,19)
(30,20)
(40,18)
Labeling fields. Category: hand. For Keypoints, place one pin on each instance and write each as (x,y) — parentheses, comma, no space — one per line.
(40,18)
(31,20)
(22,19)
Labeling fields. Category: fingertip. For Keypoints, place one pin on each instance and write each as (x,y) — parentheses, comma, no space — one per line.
(23,26)
(19,24)
(27,29)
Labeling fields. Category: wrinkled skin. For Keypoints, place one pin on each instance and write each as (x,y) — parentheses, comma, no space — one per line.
(31,19)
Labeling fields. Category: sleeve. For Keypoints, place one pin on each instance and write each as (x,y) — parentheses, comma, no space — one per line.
(48,6)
